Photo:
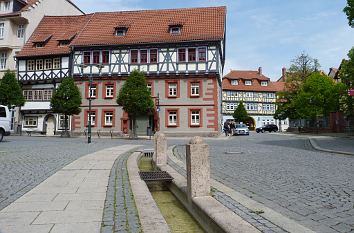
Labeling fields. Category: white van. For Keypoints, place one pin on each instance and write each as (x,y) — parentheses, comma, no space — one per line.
(5,122)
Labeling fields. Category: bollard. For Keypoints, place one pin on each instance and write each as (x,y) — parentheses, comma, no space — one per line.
(160,144)
(198,168)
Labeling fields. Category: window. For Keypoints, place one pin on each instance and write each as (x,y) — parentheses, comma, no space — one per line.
(64,42)
(105,57)
(2,29)
(2,112)
(234,82)
(56,63)
(30,121)
(121,31)
(231,94)
(175,30)
(37,95)
(182,55)
(21,31)
(96,57)
(92,91)
(39,64)
(172,118)
(191,55)
(195,118)
(248,82)
(3,58)
(149,87)
(30,65)
(6,6)
(39,44)
(87,57)
(91,116)
(252,107)
(48,64)
(201,54)
(62,122)
(143,56)
(249,94)
(153,55)
(134,56)
(231,106)
(47,94)
(172,89)
(264,83)
(108,118)
(271,95)
(195,89)
(110,91)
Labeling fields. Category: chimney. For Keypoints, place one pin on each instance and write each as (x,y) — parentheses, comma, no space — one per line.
(260,70)
(283,72)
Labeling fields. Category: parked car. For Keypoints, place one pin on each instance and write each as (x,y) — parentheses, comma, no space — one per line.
(241,129)
(269,128)
(5,122)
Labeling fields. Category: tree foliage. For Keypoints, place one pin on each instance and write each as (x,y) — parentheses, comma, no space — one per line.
(300,69)
(135,98)
(349,11)
(66,99)
(346,74)
(319,95)
(10,91)
(240,114)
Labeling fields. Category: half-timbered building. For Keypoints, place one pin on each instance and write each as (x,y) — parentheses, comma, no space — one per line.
(258,94)
(43,62)
(181,52)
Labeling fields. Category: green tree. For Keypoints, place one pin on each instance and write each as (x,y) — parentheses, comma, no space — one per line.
(10,91)
(346,74)
(135,98)
(66,100)
(319,95)
(349,11)
(240,113)
(300,69)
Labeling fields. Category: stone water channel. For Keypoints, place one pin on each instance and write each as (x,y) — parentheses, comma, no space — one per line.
(177,217)
(120,197)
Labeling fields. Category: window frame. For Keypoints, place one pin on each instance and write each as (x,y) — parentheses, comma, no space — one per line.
(3,60)
(2,30)
(150,57)
(248,82)
(234,82)
(20,33)
(182,54)
(204,57)
(33,119)
(56,63)
(136,59)
(193,112)
(193,54)
(168,113)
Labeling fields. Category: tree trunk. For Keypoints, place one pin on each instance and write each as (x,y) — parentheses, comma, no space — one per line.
(134,128)
(66,133)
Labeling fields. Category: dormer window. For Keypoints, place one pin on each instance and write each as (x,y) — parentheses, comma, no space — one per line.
(39,44)
(41,40)
(248,82)
(234,82)
(264,83)
(121,31)
(64,42)
(175,29)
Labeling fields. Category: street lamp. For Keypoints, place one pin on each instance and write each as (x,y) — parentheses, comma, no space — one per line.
(83,66)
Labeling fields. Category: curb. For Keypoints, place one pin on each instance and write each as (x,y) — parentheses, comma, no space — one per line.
(317,147)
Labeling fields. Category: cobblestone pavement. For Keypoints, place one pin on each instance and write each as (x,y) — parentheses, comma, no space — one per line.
(27,161)
(248,215)
(120,197)
(286,174)
(334,143)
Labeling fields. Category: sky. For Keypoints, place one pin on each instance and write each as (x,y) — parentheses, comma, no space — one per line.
(267,33)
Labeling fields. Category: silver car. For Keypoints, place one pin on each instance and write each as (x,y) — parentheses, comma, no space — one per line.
(241,129)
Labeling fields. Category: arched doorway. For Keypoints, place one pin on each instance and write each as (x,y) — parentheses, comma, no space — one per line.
(50,125)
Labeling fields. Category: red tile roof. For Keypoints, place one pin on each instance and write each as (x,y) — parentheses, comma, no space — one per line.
(55,26)
(152,26)
(256,78)
(146,26)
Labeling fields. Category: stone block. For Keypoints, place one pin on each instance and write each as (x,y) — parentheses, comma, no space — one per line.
(198,168)
(160,144)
